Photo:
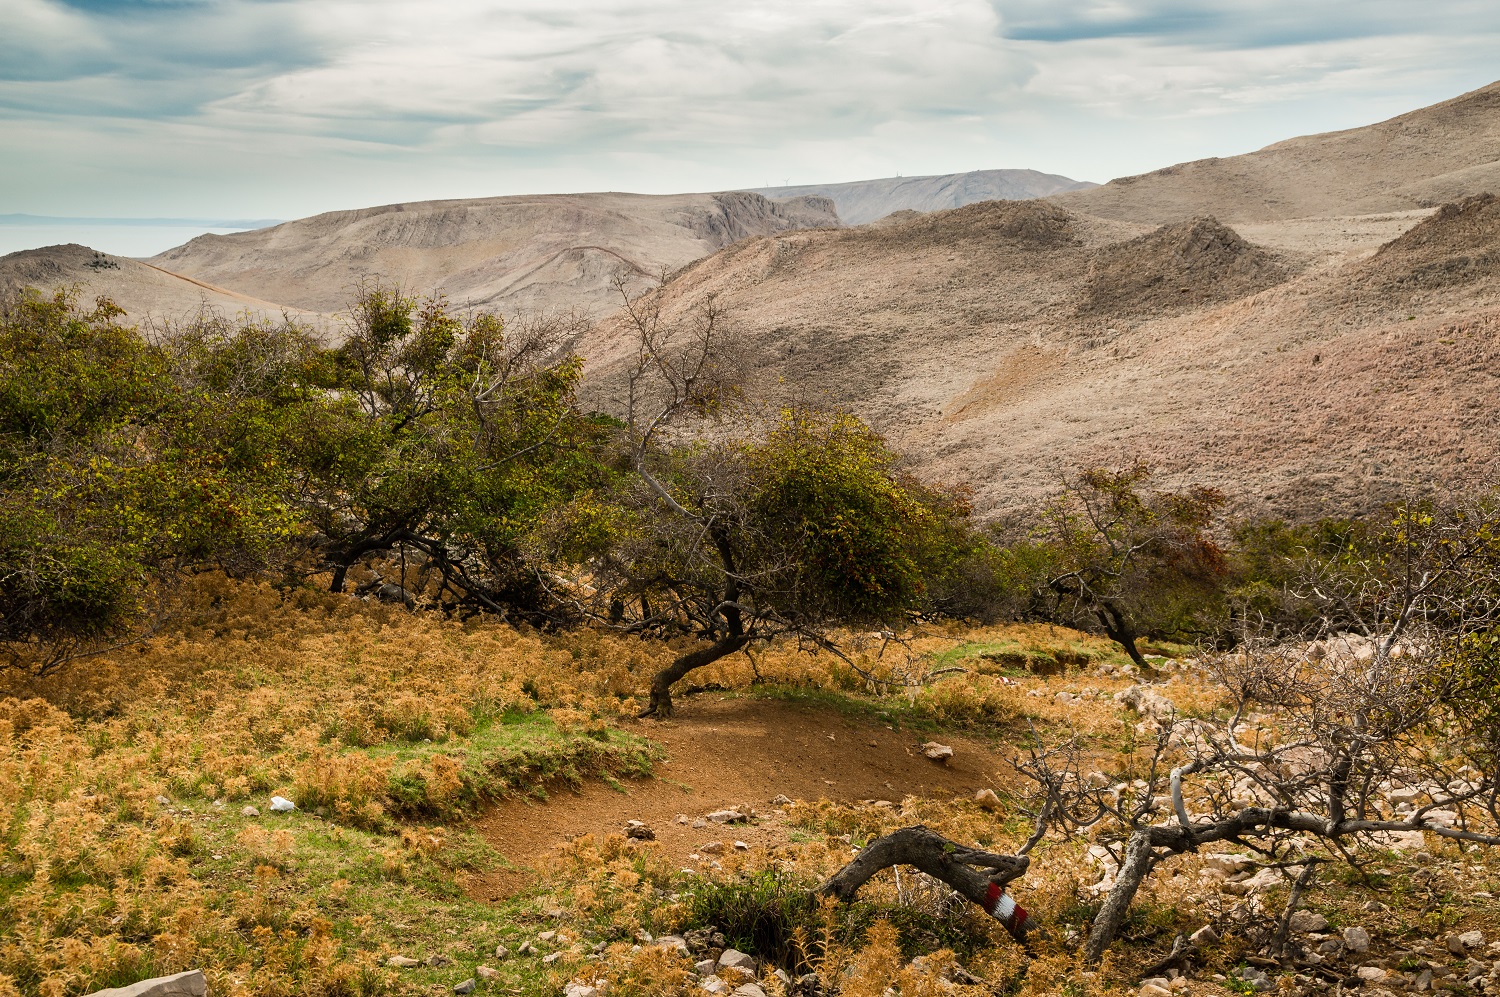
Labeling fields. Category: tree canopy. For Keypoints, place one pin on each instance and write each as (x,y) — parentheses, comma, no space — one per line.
(785,532)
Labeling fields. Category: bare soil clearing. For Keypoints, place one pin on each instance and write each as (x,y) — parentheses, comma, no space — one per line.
(732,752)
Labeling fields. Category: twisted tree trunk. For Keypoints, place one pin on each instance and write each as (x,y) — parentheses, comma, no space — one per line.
(978,875)
(1138,856)
(661,684)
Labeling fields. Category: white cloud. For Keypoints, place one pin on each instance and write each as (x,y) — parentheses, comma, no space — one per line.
(280,107)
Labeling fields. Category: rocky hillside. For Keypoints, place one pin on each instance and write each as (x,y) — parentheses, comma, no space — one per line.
(1417,160)
(1005,343)
(545,252)
(865,201)
(146,292)
(1177,268)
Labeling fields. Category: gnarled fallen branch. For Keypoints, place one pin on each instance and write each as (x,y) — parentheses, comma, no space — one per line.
(978,875)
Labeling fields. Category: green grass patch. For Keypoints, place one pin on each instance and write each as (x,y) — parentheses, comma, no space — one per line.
(1016,657)
(893,711)
(501,756)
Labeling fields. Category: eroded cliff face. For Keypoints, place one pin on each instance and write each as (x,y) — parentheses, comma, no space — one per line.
(737,215)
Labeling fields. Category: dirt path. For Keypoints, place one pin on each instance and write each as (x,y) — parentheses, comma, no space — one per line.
(723,752)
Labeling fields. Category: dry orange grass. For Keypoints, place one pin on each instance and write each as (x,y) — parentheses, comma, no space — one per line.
(124,853)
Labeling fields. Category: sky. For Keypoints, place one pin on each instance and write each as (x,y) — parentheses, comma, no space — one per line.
(284,108)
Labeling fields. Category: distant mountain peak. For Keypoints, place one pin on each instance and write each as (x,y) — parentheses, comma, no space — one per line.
(862,201)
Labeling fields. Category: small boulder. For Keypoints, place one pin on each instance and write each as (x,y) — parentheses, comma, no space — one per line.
(672,942)
(711,847)
(189,984)
(741,846)
(402,962)
(551,957)
(1205,935)
(249,812)
(486,973)
(501,952)
(638,831)
(1371,974)
(1256,978)
(1153,990)
(704,967)
(1228,862)
(735,959)
(748,990)
(1356,939)
(439,961)
(1146,702)
(466,987)
(781,800)
(1265,879)
(987,800)
(937,752)
(580,990)
(163,801)
(1305,920)
(728,817)
(1461,944)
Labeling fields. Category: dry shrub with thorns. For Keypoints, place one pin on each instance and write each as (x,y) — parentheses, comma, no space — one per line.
(1382,731)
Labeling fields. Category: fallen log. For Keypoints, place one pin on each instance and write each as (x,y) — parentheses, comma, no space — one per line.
(977,875)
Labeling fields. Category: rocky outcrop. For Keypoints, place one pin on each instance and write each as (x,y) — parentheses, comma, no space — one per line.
(739,215)
(1178,267)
